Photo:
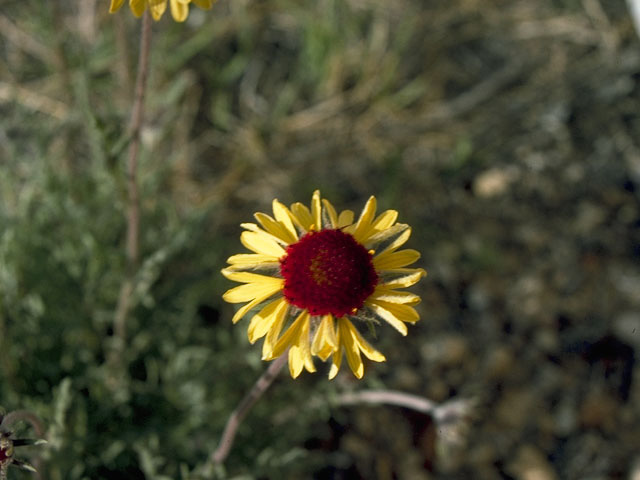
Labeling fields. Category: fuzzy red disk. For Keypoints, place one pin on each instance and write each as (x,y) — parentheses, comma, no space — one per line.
(5,454)
(328,272)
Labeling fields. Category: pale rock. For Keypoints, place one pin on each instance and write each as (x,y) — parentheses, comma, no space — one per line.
(627,327)
(494,181)
(634,473)
(516,408)
(531,464)
(500,362)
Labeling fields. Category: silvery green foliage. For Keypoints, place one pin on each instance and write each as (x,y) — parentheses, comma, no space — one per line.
(61,265)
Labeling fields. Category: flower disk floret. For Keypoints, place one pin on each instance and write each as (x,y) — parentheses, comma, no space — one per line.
(328,272)
(314,272)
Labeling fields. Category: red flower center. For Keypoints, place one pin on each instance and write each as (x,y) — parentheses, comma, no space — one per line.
(6,453)
(328,272)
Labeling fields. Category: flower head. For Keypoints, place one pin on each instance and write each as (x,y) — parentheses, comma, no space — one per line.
(314,273)
(179,8)
(8,443)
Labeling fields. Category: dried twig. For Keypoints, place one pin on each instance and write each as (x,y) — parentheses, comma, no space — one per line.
(451,417)
(388,397)
(443,413)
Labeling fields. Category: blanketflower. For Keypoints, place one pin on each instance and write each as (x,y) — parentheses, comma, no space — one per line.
(179,8)
(319,272)
(8,443)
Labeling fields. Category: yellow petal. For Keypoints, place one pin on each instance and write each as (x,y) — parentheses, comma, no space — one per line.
(274,332)
(262,321)
(331,214)
(336,360)
(305,348)
(400,277)
(157,8)
(179,10)
(316,210)
(138,7)
(350,347)
(261,243)
(252,227)
(248,277)
(296,339)
(398,242)
(364,346)
(345,218)
(394,296)
(242,311)
(296,362)
(204,4)
(300,358)
(404,313)
(290,337)
(283,215)
(251,259)
(325,341)
(385,220)
(388,240)
(364,222)
(308,363)
(115,5)
(251,291)
(388,259)
(382,222)
(275,228)
(301,216)
(388,317)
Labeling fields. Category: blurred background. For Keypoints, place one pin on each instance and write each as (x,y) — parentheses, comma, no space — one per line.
(504,131)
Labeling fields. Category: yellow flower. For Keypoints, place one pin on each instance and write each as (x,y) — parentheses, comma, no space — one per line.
(179,8)
(318,271)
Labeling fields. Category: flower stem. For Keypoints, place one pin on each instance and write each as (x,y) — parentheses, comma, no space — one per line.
(133,196)
(219,455)
(22,415)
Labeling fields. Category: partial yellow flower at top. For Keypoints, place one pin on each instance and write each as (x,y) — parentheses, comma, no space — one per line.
(179,8)
(319,272)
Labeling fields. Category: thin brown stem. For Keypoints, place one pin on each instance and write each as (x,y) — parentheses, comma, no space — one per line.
(137,117)
(238,415)
(133,195)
